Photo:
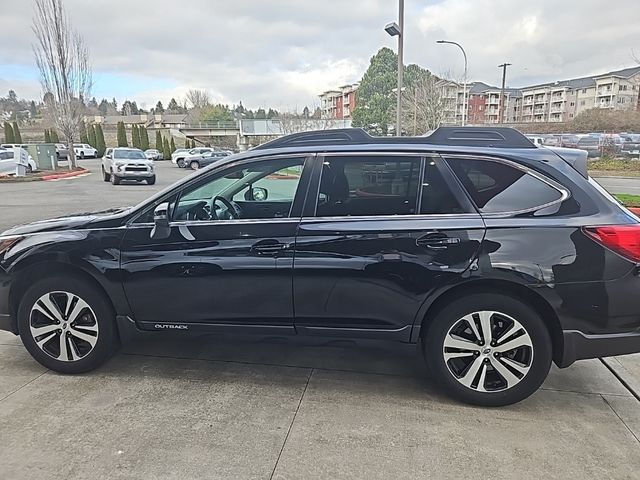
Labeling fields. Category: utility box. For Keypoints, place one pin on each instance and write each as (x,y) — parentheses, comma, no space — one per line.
(44,154)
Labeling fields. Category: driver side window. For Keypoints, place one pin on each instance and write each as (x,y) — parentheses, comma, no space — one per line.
(263,189)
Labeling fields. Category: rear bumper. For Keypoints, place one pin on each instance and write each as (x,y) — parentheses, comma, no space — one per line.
(580,346)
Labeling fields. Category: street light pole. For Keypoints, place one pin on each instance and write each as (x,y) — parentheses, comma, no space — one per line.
(397,30)
(464,80)
(504,76)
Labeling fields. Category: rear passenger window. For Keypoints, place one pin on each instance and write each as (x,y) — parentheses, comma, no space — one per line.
(497,187)
(368,185)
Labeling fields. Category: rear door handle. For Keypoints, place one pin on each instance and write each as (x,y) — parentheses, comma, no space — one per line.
(436,241)
(269,247)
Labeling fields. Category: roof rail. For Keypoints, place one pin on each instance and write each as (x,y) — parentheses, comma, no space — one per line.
(503,137)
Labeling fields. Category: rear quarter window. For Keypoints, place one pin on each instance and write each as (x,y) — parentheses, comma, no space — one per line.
(497,187)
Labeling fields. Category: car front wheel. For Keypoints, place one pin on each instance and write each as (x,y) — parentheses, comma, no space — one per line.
(488,349)
(114,179)
(105,176)
(67,324)
(180,162)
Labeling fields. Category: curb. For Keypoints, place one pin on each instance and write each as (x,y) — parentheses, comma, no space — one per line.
(56,176)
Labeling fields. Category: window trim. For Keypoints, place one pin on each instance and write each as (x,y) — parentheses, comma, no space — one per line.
(564,193)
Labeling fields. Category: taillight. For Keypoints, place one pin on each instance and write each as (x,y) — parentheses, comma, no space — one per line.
(622,239)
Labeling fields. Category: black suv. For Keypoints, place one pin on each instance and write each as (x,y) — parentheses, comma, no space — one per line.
(496,256)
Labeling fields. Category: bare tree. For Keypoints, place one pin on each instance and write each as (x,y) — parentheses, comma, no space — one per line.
(425,106)
(198,98)
(293,122)
(65,73)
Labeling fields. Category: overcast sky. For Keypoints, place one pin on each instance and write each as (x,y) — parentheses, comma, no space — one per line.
(283,53)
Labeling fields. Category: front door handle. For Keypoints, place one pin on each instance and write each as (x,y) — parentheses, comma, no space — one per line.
(269,247)
(436,241)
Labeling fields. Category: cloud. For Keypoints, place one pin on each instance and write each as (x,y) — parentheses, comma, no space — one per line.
(283,53)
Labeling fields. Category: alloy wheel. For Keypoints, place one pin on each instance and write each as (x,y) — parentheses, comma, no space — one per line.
(488,351)
(63,326)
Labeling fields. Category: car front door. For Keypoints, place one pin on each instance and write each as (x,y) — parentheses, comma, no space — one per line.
(381,233)
(227,262)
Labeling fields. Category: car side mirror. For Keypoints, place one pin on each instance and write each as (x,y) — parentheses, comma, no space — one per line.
(256,194)
(108,156)
(161,228)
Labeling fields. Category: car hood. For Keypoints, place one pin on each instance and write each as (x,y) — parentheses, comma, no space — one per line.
(70,222)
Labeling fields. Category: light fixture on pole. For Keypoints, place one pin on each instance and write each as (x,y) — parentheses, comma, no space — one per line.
(464,86)
(397,30)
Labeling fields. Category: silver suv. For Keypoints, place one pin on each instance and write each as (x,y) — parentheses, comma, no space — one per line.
(127,164)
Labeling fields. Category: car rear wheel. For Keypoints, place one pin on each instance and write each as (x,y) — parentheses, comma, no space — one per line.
(195,165)
(180,162)
(67,324)
(488,349)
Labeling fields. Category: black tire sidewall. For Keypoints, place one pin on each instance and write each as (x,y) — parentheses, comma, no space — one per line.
(444,320)
(151,180)
(107,333)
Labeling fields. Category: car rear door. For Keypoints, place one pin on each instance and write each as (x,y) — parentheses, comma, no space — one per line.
(379,234)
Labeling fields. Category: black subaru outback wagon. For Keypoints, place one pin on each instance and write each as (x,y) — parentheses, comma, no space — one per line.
(496,256)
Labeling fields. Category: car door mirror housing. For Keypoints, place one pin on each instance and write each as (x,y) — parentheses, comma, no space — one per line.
(161,228)
(256,194)
(108,156)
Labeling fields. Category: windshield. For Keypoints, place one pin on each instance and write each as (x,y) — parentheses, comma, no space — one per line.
(128,154)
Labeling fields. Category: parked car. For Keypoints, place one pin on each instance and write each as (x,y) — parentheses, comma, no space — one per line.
(84,150)
(62,151)
(153,154)
(483,256)
(630,145)
(199,161)
(569,141)
(179,152)
(8,163)
(124,163)
(537,140)
(598,144)
(182,159)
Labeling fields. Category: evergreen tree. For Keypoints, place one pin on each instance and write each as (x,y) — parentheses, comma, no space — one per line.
(158,140)
(260,114)
(187,143)
(91,136)
(47,136)
(166,149)
(33,111)
(159,107)
(135,136)
(172,145)
(8,133)
(122,135)
(193,143)
(17,138)
(100,144)
(144,138)
(173,106)
(54,136)
(84,138)
(103,108)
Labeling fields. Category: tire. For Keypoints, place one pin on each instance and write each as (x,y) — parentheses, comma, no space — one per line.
(485,373)
(81,155)
(105,176)
(114,179)
(151,180)
(195,165)
(180,163)
(93,321)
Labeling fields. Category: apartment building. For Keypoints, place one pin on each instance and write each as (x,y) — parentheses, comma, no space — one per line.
(484,104)
(339,103)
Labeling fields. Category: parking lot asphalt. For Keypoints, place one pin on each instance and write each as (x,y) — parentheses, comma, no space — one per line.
(169,407)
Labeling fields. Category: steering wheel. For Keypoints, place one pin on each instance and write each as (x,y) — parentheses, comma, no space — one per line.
(232,210)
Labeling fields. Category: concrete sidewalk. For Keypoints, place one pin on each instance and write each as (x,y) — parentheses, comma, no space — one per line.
(203,407)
